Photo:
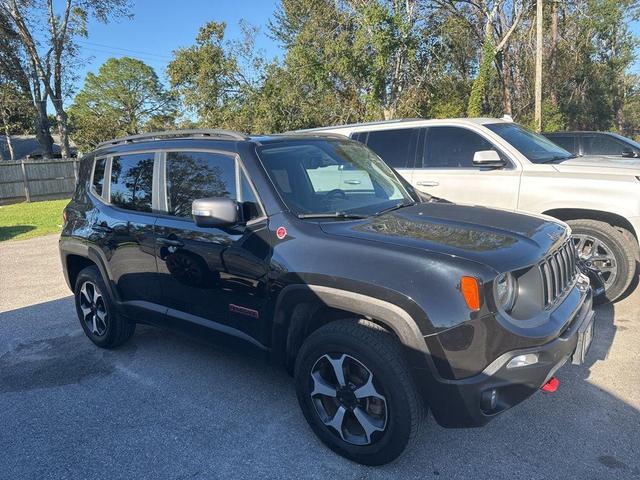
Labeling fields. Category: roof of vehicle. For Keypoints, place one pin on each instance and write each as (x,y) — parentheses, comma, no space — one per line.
(410,122)
(214,134)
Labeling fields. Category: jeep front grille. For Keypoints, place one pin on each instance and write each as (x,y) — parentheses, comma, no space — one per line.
(558,271)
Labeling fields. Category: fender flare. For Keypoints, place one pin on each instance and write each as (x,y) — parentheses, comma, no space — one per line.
(74,247)
(392,316)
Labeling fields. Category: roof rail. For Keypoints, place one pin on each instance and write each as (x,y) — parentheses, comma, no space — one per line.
(175,133)
(376,122)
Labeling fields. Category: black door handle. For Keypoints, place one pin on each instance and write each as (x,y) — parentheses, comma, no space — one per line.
(169,242)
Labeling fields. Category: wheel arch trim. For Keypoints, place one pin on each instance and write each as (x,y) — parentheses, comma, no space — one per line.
(392,316)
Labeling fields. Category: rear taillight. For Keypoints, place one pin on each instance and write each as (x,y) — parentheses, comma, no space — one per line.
(64,216)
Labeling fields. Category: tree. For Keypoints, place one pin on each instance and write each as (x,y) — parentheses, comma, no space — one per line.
(356,60)
(124,98)
(48,61)
(17,70)
(15,113)
(494,22)
(214,77)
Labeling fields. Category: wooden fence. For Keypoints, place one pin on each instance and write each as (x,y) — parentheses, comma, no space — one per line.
(35,180)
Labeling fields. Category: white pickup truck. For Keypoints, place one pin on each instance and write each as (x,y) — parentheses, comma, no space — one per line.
(497,163)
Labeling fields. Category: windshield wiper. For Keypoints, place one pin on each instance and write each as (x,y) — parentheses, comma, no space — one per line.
(332,215)
(397,206)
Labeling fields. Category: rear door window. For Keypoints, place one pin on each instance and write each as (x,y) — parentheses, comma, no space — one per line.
(396,147)
(132,181)
(451,147)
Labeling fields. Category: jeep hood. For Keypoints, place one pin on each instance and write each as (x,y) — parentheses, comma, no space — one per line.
(500,239)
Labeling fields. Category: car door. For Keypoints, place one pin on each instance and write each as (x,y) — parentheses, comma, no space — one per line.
(445,168)
(123,225)
(211,276)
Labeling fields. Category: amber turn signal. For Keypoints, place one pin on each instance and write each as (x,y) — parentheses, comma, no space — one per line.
(470,292)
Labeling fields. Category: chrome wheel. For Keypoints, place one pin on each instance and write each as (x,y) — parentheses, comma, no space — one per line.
(346,399)
(597,254)
(93,308)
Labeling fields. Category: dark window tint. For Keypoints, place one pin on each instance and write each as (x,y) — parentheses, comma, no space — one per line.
(98,176)
(602,145)
(395,147)
(193,175)
(359,137)
(131,181)
(452,147)
(567,142)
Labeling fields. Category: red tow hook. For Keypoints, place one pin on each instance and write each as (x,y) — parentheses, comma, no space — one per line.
(551,386)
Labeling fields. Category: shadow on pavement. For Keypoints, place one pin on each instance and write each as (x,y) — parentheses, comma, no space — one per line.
(7,233)
(210,406)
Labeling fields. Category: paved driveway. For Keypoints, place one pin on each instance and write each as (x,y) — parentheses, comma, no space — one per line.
(170,406)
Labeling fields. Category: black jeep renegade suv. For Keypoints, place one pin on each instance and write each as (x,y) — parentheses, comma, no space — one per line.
(380,301)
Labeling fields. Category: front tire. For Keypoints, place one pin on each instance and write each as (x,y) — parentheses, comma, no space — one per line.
(96,311)
(356,391)
(609,250)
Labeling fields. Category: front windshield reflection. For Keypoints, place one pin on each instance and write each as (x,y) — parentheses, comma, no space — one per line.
(325,176)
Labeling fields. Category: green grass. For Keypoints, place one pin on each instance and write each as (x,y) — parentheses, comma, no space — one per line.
(27,220)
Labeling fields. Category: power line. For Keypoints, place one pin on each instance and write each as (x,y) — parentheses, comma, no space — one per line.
(140,52)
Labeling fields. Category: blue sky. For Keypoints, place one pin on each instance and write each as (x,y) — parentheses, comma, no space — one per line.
(160,26)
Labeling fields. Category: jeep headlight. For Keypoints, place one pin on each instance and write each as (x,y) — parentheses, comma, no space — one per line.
(505,290)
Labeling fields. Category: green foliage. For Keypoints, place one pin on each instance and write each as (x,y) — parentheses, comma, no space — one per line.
(124,98)
(357,60)
(214,78)
(481,82)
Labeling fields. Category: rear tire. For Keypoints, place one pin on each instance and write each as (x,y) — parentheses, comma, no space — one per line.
(97,313)
(615,256)
(376,428)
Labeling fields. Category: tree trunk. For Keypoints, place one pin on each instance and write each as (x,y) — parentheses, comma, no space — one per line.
(42,128)
(538,84)
(553,51)
(7,133)
(63,130)
(502,66)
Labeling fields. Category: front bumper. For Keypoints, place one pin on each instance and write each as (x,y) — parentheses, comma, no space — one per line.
(467,402)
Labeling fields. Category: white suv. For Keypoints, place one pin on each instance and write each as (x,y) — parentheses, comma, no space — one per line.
(498,163)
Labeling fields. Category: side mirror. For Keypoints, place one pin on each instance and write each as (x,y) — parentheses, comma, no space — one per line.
(629,153)
(215,212)
(487,158)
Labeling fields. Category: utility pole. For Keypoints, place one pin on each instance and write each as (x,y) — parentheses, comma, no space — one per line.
(538,86)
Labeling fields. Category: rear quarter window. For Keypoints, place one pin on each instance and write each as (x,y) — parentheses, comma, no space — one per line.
(97,182)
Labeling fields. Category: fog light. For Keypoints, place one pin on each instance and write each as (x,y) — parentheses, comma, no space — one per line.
(523,360)
(489,400)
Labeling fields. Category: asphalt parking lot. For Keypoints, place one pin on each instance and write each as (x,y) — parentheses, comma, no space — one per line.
(172,406)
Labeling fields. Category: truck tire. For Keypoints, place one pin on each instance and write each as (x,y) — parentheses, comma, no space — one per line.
(356,391)
(96,311)
(608,250)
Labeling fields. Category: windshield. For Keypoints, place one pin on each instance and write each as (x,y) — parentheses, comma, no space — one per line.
(536,148)
(323,176)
